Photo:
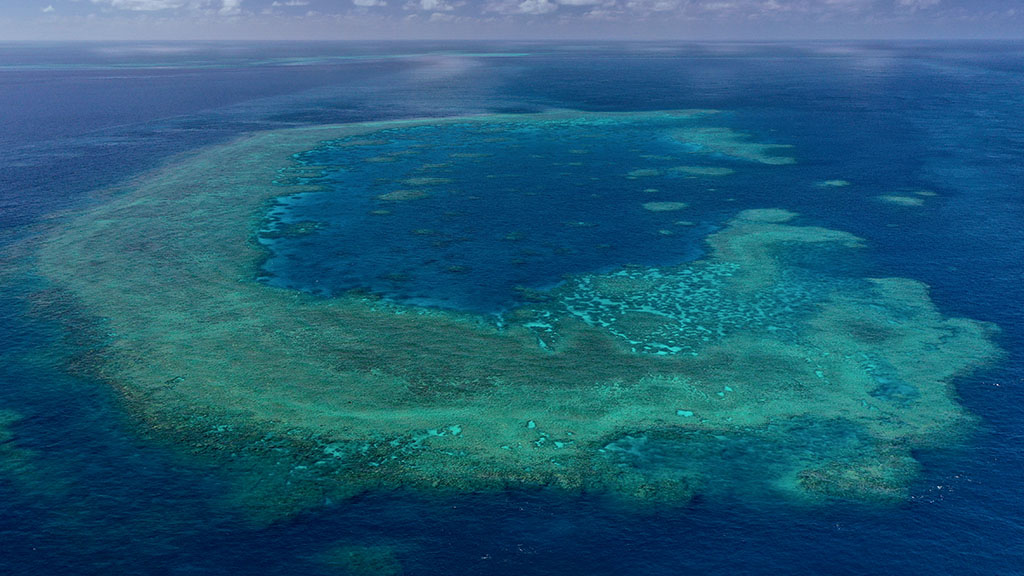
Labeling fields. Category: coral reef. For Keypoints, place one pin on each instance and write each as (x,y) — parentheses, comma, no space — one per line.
(633,382)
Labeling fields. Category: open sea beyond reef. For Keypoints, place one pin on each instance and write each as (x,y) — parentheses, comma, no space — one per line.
(529,201)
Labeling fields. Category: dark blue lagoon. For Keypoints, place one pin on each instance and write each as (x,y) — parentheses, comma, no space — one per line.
(512,308)
(469,216)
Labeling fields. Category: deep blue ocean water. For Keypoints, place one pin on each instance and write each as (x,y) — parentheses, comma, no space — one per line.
(889,118)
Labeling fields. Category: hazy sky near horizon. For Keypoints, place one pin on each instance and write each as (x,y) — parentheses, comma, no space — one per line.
(507,19)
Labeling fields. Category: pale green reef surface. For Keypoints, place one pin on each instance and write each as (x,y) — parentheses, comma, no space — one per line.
(899,200)
(833,183)
(735,144)
(742,372)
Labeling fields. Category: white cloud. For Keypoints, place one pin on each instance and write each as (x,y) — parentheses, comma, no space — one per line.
(369,3)
(703,10)
(647,6)
(915,5)
(430,5)
(49,9)
(277,4)
(603,14)
(222,7)
(537,7)
(142,5)
(230,7)
(709,6)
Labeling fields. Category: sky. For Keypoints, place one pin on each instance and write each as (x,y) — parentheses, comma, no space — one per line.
(508,19)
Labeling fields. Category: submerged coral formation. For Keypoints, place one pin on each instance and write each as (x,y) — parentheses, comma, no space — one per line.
(742,371)
(15,462)
(360,560)
(704,170)
(727,142)
(833,183)
(908,197)
(664,206)
(23,467)
(402,195)
(899,200)
(7,419)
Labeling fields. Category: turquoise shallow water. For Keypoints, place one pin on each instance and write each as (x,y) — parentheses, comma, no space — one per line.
(83,491)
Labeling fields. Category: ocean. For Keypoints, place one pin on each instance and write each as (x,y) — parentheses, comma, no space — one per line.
(546,179)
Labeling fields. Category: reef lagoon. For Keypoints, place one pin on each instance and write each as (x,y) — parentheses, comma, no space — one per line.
(406,309)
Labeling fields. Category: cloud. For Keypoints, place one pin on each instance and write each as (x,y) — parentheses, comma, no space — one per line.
(222,7)
(142,5)
(667,5)
(430,5)
(230,8)
(537,18)
(536,7)
(915,5)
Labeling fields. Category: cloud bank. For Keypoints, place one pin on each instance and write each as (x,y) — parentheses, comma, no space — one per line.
(492,19)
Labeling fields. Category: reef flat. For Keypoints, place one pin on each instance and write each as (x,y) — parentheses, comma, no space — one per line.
(744,369)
